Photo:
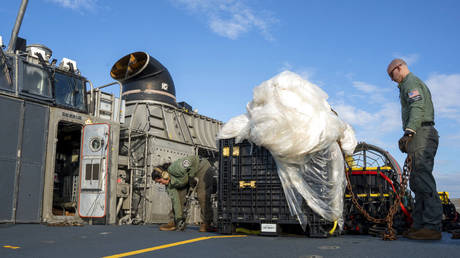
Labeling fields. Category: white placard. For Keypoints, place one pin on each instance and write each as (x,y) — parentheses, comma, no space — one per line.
(268,228)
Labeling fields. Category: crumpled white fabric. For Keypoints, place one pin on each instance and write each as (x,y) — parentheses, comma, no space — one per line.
(348,141)
(237,127)
(291,117)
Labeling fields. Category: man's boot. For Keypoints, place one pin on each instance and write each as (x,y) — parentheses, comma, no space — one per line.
(203,227)
(409,231)
(207,228)
(171,226)
(425,234)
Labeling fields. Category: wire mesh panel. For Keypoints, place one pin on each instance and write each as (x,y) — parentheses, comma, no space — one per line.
(375,178)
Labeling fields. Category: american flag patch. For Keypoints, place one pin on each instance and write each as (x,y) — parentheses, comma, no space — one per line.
(414,95)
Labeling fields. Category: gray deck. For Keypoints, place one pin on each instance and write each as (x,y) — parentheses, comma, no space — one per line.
(35,240)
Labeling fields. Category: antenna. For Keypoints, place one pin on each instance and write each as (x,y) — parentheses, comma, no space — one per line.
(17,25)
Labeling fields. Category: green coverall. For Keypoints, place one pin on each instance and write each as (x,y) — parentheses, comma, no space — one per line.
(418,115)
(180,171)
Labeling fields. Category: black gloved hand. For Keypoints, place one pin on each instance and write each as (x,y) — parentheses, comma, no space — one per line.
(192,182)
(402,143)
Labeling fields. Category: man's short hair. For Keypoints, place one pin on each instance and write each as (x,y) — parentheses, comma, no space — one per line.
(156,173)
(395,63)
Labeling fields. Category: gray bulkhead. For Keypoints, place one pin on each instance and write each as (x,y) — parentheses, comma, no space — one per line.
(39,104)
(157,133)
(157,130)
(45,108)
(24,132)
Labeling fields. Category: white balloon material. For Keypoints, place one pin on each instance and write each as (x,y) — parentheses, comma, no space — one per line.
(291,117)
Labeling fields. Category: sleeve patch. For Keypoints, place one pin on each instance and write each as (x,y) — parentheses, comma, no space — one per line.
(414,95)
(186,163)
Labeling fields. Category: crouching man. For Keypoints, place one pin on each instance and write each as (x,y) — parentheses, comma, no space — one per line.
(186,172)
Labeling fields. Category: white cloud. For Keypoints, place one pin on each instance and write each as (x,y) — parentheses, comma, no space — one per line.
(340,94)
(410,59)
(76,4)
(369,112)
(229,18)
(449,138)
(384,120)
(353,115)
(365,87)
(229,29)
(446,105)
(445,91)
(448,182)
(371,92)
(453,137)
(379,128)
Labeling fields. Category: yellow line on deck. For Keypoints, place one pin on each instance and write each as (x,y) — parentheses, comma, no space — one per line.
(11,247)
(168,245)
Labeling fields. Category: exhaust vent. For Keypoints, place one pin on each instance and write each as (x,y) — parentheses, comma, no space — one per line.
(144,79)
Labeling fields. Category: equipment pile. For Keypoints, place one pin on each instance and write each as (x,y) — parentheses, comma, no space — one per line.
(291,118)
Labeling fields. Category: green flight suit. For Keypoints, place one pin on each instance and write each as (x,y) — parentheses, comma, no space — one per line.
(418,115)
(180,171)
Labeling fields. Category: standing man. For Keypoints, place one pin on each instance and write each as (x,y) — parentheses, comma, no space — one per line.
(420,140)
(179,175)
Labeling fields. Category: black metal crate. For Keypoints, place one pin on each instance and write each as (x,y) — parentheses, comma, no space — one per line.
(250,190)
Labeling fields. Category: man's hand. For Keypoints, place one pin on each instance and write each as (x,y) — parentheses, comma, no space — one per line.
(405,140)
(162,181)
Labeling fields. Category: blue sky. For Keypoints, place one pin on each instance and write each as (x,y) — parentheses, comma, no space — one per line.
(217,51)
